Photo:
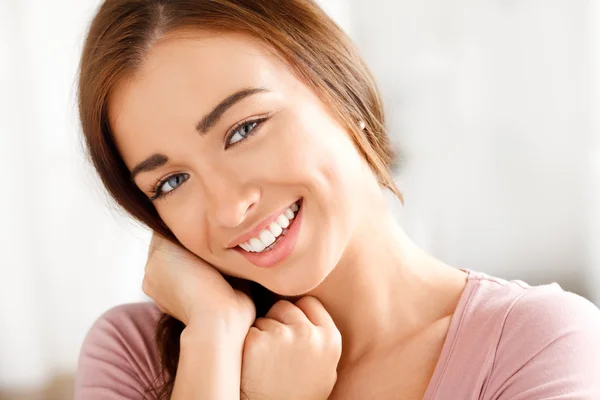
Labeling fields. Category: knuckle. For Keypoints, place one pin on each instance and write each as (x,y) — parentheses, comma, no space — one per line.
(333,341)
(281,331)
(333,378)
(336,337)
(283,305)
(336,344)
(146,286)
(150,266)
(309,302)
(279,309)
(259,323)
(252,336)
(254,342)
(305,331)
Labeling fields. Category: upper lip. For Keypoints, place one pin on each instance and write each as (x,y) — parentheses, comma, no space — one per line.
(258,228)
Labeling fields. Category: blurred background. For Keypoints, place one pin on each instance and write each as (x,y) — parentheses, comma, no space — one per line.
(493,104)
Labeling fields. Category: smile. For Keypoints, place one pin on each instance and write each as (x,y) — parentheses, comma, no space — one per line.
(268,238)
(275,242)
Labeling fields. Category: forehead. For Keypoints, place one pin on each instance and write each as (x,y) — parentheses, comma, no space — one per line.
(184,76)
(217,61)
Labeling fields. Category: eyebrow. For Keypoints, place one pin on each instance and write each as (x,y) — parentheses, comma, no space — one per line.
(208,121)
(213,117)
(151,163)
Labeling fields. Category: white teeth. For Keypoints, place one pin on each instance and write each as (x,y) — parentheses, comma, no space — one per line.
(283,221)
(289,214)
(245,246)
(275,229)
(267,238)
(257,245)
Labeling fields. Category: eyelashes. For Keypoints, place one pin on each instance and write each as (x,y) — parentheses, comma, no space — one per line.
(173,181)
(238,134)
(243,130)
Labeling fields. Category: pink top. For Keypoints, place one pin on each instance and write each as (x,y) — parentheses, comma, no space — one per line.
(507,340)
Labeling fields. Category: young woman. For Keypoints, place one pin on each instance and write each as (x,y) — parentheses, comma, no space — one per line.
(249,136)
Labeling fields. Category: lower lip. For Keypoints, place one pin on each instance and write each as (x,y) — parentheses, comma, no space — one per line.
(282,249)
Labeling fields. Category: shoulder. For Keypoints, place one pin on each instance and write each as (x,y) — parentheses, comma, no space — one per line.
(545,322)
(119,358)
(547,344)
(550,312)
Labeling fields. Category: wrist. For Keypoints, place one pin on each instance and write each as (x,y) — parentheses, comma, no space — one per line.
(212,331)
(216,351)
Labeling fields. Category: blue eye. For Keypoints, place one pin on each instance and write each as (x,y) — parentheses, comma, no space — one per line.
(242,131)
(168,185)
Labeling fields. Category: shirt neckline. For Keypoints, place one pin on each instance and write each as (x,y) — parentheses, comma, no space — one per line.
(453,332)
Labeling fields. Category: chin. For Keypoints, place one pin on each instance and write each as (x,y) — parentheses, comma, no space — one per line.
(297,280)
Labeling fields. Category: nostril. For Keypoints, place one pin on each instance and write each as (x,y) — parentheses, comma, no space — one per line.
(249,208)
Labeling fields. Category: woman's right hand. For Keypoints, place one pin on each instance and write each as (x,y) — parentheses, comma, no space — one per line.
(188,288)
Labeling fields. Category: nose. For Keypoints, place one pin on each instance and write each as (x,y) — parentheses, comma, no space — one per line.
(230,200)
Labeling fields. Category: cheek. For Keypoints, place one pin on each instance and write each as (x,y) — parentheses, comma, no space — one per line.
(316,151)
(186,223)
(336,163)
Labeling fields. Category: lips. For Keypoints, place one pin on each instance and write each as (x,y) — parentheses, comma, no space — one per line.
(281,248)
(268,237)
(277,218)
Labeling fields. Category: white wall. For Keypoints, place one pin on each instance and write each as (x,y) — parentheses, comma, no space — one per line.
(593,271)
(65,256)
(495,105)
(491,102)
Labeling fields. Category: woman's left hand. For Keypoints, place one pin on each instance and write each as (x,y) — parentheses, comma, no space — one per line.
(292,353)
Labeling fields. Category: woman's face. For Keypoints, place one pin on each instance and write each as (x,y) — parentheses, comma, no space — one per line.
(223,139)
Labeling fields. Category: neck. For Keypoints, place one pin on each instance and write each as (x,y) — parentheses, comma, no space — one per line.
(385,289)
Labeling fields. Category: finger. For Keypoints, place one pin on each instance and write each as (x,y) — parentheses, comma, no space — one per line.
(315,312)
(287,313)
(267,324)
(146,286)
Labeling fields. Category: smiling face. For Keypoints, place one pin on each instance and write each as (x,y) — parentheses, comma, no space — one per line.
(223,138)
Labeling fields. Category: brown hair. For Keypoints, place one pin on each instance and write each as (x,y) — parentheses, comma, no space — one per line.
(310,43)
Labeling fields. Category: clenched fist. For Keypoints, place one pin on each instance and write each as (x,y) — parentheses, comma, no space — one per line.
(292,353)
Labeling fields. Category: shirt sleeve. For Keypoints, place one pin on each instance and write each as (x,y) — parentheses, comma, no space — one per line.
(119,359)
(549,349)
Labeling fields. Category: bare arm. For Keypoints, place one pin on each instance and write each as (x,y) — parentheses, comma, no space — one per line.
(216,315)
(209,364)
